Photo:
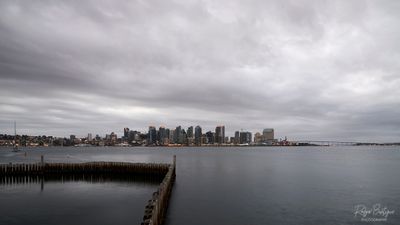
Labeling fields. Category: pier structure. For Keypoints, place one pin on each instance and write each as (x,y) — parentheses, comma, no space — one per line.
(156,208)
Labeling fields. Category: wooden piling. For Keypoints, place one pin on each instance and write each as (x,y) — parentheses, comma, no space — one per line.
(156,208)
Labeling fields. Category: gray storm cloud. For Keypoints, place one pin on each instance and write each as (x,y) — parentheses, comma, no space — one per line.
(310,69)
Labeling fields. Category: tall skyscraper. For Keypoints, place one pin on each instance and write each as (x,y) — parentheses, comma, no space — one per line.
(190,136)
(237,137)
(162,135)
(177,134)
(183,137)
(197,135)
(172,136)
(167,136)
(152,136)
(190,132)
(220,134)
(126,133)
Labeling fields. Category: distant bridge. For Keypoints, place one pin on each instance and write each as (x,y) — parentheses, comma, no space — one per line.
(333,143)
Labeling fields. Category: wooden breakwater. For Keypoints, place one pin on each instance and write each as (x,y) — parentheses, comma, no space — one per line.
(84,168)
(156,208)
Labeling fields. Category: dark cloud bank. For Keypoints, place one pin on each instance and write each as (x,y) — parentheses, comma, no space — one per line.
(310,69)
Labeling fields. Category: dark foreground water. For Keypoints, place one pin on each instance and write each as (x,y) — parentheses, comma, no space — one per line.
(221,186)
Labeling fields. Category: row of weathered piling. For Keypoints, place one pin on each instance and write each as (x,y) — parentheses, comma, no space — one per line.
(155,210)
(157,206)
(90,178)
(84,168)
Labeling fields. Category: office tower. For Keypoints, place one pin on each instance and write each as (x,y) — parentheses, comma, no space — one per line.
(152,136)
(172,136)
(249,137)
(190,132)
(220,134)
(113,137)
(183,137)
(210,137)
(268,135)
(126,133)
(162,135)
(177,134)
(190,136)
(245,137)
(237,138)
(133,136)
(89,137)
(197,135)
(258,138)
(167,136)
(72,137)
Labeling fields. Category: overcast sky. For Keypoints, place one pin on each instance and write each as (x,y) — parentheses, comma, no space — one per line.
(319,70)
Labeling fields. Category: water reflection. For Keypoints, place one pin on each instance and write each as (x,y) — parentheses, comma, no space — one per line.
(88,178)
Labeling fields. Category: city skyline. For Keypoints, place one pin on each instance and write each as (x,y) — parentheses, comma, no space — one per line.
(323,70)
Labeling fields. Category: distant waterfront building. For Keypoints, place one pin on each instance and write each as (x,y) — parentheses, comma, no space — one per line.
(197,135)
(237,138)
(126,133)
(177,134)
(190,132)
(258,138)
(220,134)
(183,137)
(268,135)
(108,137)
(210,137)
(245,137)
(172,136)
(162,135)
(89,137)
(133,136)
(113,137)
(167,136)
(152,136)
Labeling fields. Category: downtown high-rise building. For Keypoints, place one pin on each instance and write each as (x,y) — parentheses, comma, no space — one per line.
(172,136)
(237,138)
(190,136)
(210,137)
(167,136)
(220,134)
(197,135)
(190,132)
(268,135)
(245,137)
(126,133)
(152,136)
(177,135)
(162,135)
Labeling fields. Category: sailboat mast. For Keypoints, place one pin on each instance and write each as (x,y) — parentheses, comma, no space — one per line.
(15,132)
(15,147)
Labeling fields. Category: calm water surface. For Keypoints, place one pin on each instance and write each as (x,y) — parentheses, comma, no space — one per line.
(243,186)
